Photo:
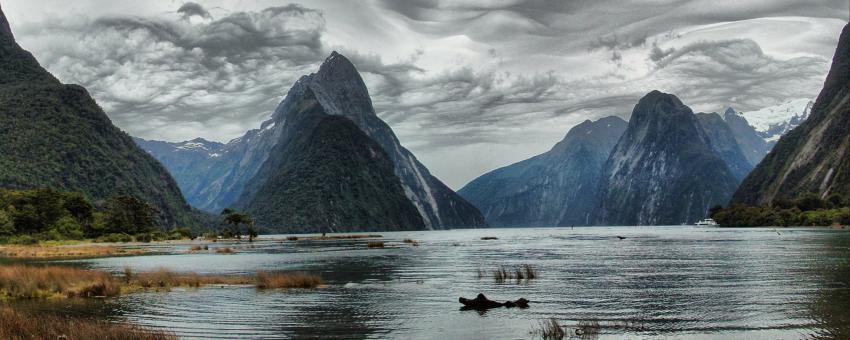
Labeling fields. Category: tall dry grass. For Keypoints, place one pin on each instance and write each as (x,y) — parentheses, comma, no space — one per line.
(270,280)
(550,330)
(20,326)
(27,282)
(41,251)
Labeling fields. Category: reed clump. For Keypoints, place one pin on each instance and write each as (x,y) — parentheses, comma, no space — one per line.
(16,325)
(27,282)
(280,279)
(550,330)
(292,238)
(224,250)
(520,273)
(411,242)
(165,279)
(375,244)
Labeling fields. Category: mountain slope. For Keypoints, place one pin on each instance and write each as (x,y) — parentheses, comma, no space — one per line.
(554,188)
(774,121)
(663,169)
(752,145)
(328,176)
(55,135)
(815,156)
(220,181)
(724,144)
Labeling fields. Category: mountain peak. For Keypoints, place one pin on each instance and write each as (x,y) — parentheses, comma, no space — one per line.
(338,65)
(658,104)
(4,25)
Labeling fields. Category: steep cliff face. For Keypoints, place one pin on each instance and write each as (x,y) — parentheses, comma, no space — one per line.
(663,170)
(724,144)
(558,187)
(55,135)
(815,156)
(752,144)
(4,26)
(326,175)
(220,181)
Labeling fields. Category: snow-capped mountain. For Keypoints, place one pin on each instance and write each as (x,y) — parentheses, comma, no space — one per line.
(774,121)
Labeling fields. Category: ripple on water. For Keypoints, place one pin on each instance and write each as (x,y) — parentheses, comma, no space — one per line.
(681,282)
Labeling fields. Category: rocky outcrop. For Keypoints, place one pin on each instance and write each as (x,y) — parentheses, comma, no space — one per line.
(4,25)
(663,170)
(555,188)
(815,156)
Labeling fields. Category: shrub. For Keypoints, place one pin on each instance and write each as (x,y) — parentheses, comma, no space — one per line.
(115,238)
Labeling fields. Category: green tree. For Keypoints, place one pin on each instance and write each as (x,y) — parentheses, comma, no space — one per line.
(234,218)
(127,214)
(7,228)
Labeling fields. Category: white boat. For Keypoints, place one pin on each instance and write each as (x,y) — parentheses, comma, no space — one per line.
(707,221)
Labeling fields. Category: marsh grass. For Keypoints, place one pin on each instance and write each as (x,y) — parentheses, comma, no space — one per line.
(66,251)
(550,330)
(375,244)
(15,325)
(520,273)
(272,280)
(165,279)
(224,250)
(411,242)
(27,282)
(196,248)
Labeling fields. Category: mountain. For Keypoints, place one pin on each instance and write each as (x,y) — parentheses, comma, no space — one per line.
(326,175)
(663,170)
(55,135)
(551,189)
(774,121)
(752,144)
(220,181)
(724,144)
(815,156)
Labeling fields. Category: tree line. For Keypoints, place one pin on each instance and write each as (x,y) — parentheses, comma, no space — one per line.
(806,210)
(29,216)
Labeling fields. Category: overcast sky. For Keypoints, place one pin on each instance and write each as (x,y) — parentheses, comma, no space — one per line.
(468,86)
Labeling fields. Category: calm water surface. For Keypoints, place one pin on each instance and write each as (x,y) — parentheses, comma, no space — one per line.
(658,282)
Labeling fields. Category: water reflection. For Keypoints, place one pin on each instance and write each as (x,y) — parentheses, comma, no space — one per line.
(830,306)
(658,282)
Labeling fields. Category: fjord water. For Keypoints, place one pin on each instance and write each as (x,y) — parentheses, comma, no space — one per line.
(679,282)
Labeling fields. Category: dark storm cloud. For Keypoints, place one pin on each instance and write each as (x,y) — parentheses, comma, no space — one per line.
(161,76)
(191,9)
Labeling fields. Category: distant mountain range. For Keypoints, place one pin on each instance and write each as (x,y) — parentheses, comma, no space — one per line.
(54,135)
(556,188)
(815,156)
(670,166)
(256,169)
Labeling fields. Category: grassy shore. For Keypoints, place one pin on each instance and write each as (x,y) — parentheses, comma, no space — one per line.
(43,251)
(15,325)
(56,282)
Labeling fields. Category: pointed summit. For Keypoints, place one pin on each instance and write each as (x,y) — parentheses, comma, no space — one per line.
(5,30)
(341,90)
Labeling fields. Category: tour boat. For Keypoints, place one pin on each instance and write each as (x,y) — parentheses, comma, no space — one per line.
(707,221)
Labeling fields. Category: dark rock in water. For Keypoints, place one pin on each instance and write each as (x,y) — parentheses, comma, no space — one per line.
(481,302)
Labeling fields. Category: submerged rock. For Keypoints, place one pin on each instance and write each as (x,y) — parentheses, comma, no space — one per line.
(481,302)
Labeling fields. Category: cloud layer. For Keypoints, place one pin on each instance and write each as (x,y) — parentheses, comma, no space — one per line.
(467,85)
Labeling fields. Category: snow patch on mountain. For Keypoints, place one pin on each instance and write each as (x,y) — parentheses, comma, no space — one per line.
(774,121)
